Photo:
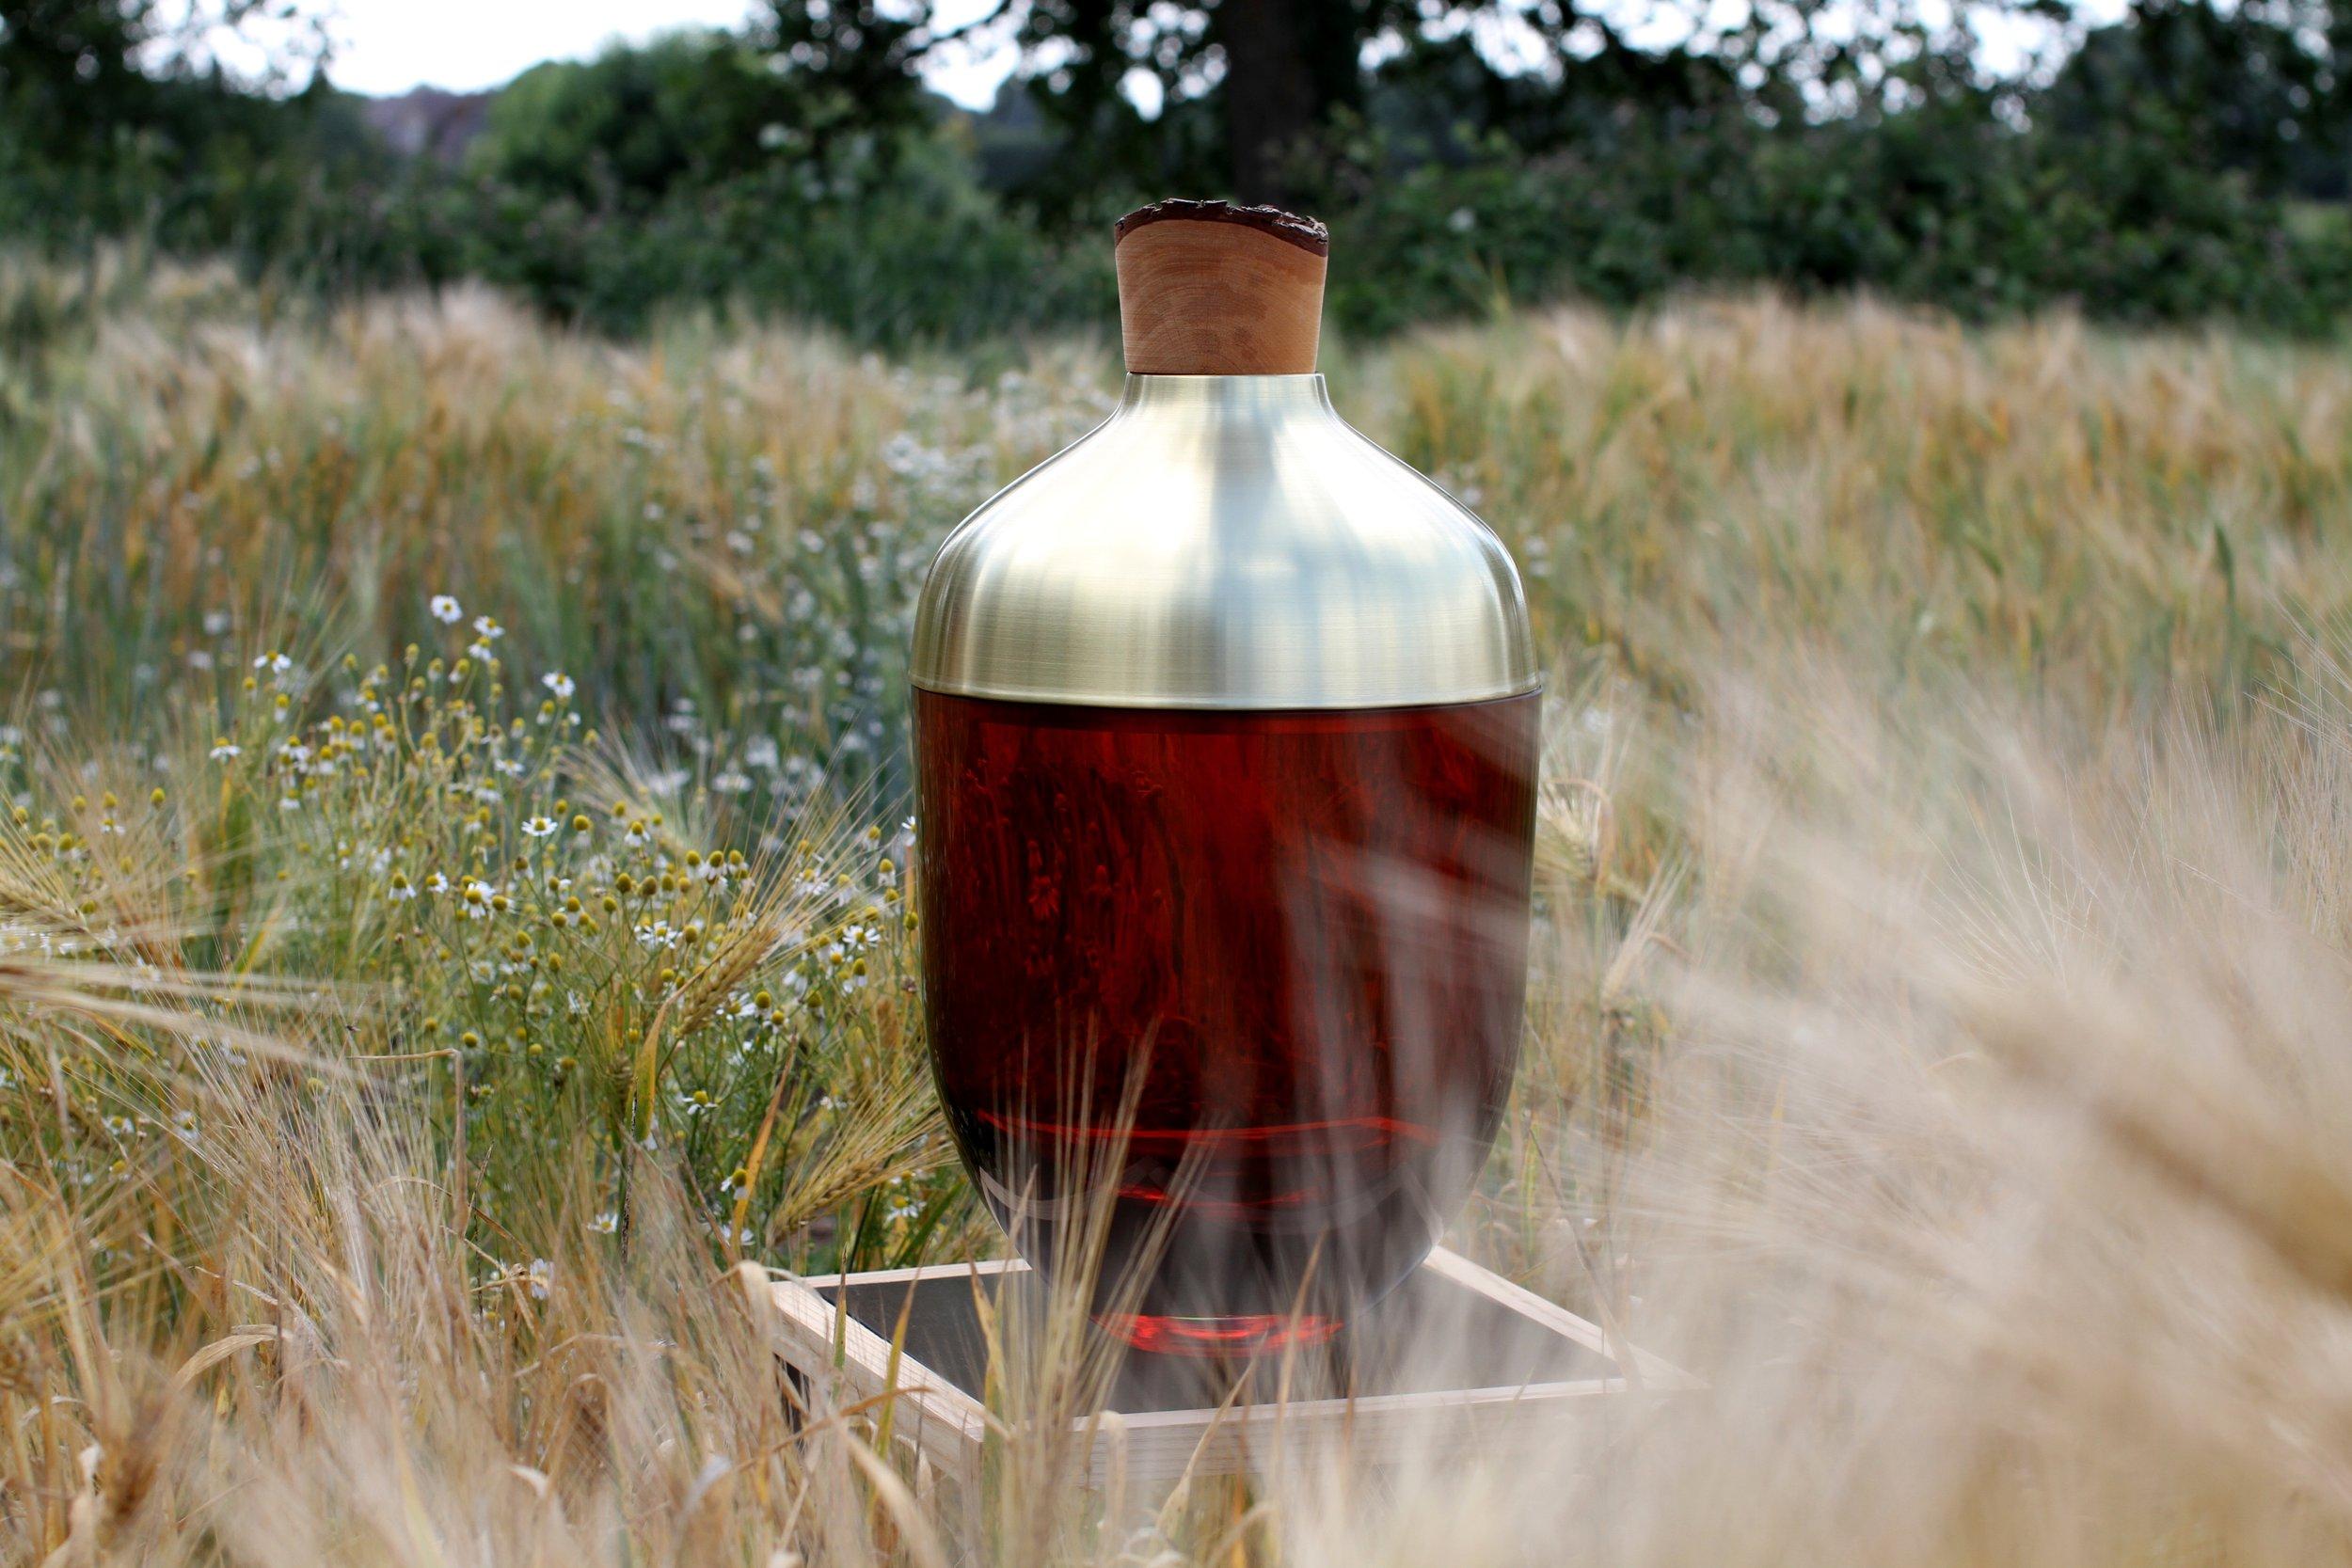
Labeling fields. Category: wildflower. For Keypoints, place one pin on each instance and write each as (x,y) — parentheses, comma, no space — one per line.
(438,883)
(541,1276)
(559,683)
(489,630)
(223,751)
(538,827)
(276,663)
(446,609)
(606,1223)
(401,887)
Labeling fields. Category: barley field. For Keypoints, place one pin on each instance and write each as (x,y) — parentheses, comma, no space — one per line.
(454,914)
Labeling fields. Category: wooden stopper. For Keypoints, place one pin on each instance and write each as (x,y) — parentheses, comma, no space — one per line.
(1206,288)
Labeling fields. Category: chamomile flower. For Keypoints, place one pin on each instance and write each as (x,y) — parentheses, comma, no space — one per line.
(224,750)
(559,683)
(538,827)
(446,609)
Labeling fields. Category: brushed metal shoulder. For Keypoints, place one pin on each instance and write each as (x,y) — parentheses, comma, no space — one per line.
(1224,542)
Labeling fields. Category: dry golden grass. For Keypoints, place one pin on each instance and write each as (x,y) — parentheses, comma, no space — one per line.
(1938,1027)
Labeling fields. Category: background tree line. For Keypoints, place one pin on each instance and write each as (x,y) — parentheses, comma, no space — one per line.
(2191,160)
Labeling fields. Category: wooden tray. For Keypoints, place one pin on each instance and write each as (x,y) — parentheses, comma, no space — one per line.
(1456,1358)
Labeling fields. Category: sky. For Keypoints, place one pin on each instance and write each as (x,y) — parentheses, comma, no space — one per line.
(389,46)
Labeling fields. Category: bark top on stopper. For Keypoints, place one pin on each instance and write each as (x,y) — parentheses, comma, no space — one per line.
(1206,288)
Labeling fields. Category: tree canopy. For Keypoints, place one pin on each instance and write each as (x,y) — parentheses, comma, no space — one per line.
(2193,158)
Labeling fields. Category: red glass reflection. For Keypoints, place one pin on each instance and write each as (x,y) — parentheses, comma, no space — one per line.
(1252,981)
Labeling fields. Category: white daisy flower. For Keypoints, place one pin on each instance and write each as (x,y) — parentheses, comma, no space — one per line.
(446,609)
(475,903)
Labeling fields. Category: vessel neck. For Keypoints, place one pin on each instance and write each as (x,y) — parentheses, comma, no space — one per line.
(1212,396)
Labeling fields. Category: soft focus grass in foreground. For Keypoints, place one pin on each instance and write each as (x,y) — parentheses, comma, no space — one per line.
(408,1012)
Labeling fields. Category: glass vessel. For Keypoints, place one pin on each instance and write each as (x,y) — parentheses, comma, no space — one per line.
(1226,726)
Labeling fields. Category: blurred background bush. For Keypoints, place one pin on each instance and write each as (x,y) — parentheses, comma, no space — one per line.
(2183,160)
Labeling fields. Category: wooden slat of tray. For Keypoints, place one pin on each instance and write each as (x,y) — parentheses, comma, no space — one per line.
(950,1425)
(945,1423)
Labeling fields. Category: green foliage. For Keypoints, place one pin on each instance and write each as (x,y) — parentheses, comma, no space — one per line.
(684,111)
(1943,206)
(2184,164)
(107,129)
(923,256)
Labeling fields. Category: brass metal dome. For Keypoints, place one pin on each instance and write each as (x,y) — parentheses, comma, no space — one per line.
(1224,542)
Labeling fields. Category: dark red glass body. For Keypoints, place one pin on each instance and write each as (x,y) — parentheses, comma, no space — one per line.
(1252,981)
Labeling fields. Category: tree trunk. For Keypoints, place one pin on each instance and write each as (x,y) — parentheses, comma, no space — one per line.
(1272,96)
